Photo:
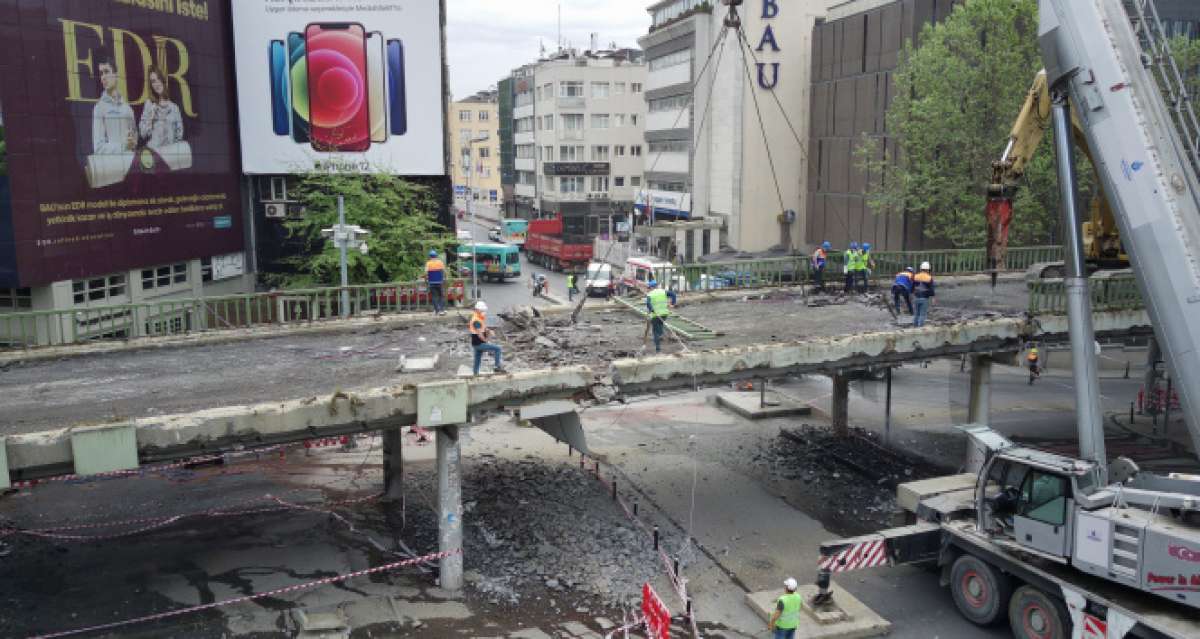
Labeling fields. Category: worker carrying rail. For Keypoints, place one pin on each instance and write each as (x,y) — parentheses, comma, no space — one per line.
(659,303)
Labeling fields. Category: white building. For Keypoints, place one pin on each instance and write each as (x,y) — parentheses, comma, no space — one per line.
(708,161)
(578,122)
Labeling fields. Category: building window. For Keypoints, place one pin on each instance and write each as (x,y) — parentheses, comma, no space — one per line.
(619,150)
(464,116)
(636,150)
(635,87)
(548,89)
(206,269)
(600,153)
(484,116)
(278,189)
(572,121)
(525,152)
(671,60)
(619,182)
(600,184)
(570,184)
(673,187)
(464,135)
(600,89)
(16,299)
(98,289)
(549,122)
(524,98)
(673,103)
(164,276)
(570,154)
(547,183)
(618,120)
(665,14)
(599,120)
(635,181)
(673,146)
(570,89)
(633,119)
(484,153)
(548,153)
(619,88)
(539,94)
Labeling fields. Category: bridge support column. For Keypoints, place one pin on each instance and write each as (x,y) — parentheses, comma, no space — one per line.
(839,411)
(980,407)
(450,530)
(393,464)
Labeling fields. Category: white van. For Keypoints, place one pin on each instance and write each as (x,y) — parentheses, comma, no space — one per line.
(640,270)
(599,282)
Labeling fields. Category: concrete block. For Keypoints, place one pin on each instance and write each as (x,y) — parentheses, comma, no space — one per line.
(749,405)
(418,364)
(910,494)
(442,403)
(319,622)
(104,449)
(4,481)
(846,618)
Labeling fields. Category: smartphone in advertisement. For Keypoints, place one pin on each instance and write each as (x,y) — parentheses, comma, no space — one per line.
(298,82)
(281,104)
(338,101)
(396,98)
(375,87)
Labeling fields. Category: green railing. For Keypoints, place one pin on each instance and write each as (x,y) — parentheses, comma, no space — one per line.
(782,271)
(1117,292)
(178,317)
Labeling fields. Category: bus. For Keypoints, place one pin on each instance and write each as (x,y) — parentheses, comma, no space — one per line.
(496,262)
(512,231)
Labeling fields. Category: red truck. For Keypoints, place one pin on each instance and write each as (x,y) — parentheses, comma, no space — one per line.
(546,245)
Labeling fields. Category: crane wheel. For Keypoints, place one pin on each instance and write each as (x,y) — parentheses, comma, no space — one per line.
(1033,614)
(980,591)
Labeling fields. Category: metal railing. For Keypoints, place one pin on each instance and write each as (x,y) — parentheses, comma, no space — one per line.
(191,315)
(1115,292)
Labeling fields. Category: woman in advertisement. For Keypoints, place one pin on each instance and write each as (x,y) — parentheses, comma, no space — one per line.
(161,124)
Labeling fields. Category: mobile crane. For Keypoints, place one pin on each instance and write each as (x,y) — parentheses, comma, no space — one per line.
(1063,546)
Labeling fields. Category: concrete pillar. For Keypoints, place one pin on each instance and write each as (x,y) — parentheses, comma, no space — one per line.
(393,464)
(450,530)
(981,390)
(839,410)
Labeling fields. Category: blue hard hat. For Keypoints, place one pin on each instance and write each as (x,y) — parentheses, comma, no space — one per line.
(433,254)
(866,246)
(853,245)
(910,269)
(826,245)
(652,283)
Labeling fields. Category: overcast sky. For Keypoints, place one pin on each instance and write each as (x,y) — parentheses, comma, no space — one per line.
(487,39)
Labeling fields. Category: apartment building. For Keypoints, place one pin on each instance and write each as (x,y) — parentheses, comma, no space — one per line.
(474,124)
(578,120)
(709,182)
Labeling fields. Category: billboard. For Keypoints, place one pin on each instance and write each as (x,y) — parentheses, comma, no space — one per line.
(118,118)
(347,87)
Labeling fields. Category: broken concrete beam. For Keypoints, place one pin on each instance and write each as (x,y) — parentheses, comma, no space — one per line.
(750,405)
(418,364)
(910,494)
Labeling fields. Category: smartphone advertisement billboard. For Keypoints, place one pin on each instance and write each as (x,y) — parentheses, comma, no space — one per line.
(121,150)
(355,88)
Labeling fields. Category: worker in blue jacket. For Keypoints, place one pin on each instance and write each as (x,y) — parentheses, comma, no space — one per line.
(903,287)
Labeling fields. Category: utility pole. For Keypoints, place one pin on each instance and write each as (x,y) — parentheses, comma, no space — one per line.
(344,236)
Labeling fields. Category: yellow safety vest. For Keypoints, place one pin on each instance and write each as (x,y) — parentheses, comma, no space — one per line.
(659,304)
(790,617)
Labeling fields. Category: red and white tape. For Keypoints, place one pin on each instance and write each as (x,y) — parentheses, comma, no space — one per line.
(867,554)
(262,595)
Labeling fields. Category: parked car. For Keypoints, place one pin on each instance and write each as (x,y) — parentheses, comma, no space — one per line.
(599,282)
(494,234)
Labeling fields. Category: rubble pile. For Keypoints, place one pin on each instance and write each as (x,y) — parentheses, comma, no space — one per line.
(543,531)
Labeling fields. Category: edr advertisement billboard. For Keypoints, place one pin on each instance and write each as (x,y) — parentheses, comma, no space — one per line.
(347,87)
(118,116)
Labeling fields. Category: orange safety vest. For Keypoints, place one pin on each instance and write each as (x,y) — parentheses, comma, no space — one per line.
(434,265)
(478,325)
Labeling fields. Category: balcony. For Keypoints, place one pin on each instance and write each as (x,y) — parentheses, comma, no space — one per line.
(571,135)
(571,103)
(525,164)
(525,190)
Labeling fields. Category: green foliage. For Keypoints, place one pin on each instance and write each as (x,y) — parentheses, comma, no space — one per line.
(957,96)
(1187,56)
(401,216)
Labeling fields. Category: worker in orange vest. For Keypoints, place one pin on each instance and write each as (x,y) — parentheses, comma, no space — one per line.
(435,275)
(480,334)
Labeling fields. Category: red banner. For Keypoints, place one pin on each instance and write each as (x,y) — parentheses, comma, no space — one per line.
(658,618)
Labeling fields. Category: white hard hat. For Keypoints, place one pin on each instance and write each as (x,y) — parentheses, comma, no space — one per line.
(790,584)
(925,266)
(481,306)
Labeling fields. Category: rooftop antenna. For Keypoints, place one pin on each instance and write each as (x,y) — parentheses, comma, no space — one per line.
(595,41)
(560,40)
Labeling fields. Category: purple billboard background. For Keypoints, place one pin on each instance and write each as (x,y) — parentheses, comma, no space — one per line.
(102,178)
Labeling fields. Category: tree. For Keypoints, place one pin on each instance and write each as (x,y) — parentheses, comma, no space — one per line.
(402,218)
(956,97)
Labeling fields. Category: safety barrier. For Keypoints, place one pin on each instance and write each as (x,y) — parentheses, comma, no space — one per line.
(191,315)
(1109,292)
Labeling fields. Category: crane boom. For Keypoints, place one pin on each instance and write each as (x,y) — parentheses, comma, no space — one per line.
(1144,164)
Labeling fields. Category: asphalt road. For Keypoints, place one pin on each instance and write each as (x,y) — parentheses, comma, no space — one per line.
(504,295)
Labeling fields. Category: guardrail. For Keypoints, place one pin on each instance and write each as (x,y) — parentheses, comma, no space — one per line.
(1110,292)
(191,315)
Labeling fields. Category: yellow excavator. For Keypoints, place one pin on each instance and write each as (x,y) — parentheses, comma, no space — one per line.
(1101,240)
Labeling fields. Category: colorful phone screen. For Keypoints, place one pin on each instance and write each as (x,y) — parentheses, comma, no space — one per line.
(337,87)
(396,99)
(375,87)
(298,75)
(281,103)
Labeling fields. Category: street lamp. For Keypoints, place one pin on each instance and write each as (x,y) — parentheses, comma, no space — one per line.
(471,213)
(345,236)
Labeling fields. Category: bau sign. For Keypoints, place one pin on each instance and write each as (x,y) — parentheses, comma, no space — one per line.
(770,11)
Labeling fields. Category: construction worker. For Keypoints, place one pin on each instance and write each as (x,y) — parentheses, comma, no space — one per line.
(868,265)
(1034,359)
(480,334)
(923,290)
(659,303)
(853,257)
(903,287)
(435,275)
(819,258)
(571,290)
(786,617)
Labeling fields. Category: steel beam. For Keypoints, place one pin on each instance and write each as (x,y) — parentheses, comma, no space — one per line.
(450,528)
